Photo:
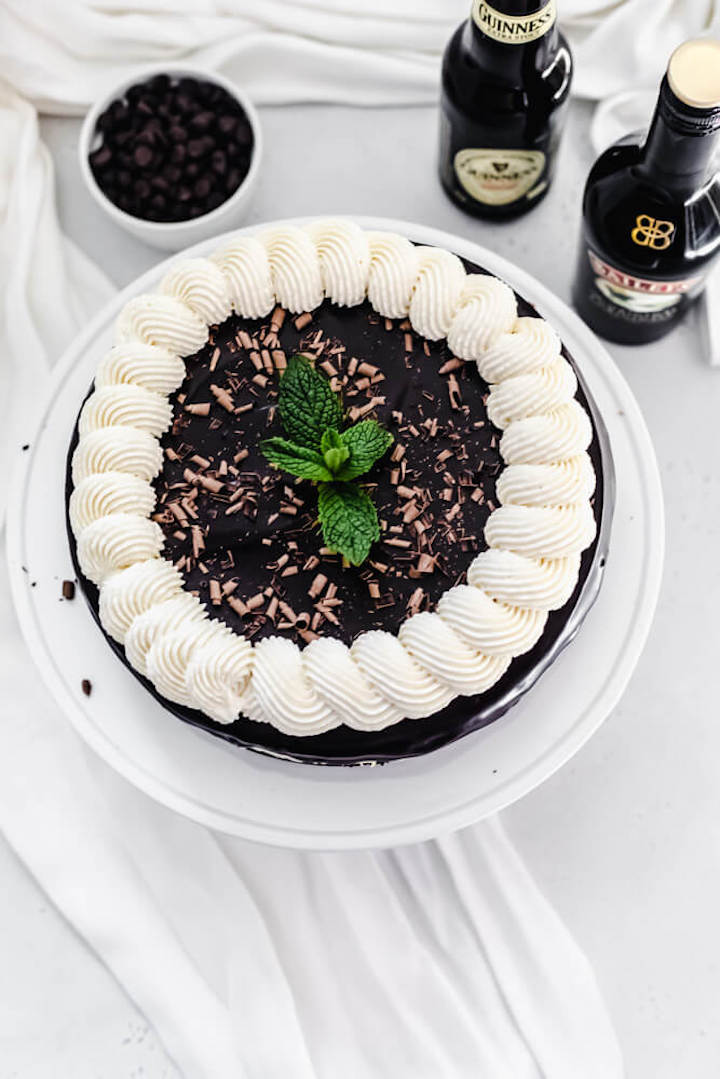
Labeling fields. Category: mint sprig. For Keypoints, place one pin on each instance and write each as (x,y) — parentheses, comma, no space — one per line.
(365,442)
(320,450)
(335,452)
(297,460)
(307,403)
(349,520)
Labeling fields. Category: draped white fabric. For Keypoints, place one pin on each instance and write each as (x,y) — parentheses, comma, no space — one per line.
(436,960)
(440,959)
(61,55)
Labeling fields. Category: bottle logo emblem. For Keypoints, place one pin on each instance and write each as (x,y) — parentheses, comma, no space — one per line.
(499,177)
(649,232)
(514,29)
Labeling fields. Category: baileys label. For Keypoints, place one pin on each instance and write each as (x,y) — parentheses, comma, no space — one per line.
(514,29)
(499,177)
(639,295)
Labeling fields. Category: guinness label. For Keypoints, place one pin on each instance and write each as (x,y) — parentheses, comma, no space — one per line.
(499,177)
(638,294)
(514,29)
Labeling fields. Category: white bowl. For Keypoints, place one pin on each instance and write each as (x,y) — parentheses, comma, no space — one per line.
(173,235)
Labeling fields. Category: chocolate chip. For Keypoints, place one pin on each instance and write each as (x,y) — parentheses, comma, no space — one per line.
(202,121)
(184,103)
(233,180)
(100,158)
(196,147)
(159,84)
(228,123)
(134,93)
(86,686)
(206,90)
(243,134)
(218,162)
(202,187)
(120,114)
(188,85)
(146,137)
(68,590)
(142,156)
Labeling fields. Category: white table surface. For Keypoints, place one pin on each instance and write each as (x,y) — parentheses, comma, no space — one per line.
(625,840)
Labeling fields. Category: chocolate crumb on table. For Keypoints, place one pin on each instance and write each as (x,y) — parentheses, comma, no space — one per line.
(245,536)
(68,590)
(86,686)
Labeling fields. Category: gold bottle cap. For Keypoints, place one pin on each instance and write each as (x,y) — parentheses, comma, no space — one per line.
(694,73)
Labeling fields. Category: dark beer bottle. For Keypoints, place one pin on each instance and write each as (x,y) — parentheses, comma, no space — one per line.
(651,210)
(506,77)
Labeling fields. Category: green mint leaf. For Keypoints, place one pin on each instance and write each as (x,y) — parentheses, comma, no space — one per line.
(297,460)
(367,442)
(335,452)
(348,519)
(307,403)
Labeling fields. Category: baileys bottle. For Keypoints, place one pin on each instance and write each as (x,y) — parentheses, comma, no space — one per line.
(651,209)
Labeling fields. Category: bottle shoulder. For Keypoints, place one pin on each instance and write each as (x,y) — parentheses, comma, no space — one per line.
(644,225)
(615,163)
(505,78)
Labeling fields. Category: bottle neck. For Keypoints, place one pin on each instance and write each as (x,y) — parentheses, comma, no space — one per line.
(514,22)
(679,148)
(512,36)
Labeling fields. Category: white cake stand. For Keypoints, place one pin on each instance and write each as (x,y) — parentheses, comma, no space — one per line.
(276,801)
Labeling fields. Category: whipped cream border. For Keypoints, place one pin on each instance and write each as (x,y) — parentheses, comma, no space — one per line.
(535,537)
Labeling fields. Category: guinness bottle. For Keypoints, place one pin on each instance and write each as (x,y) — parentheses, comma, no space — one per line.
(651,210)
(506,77)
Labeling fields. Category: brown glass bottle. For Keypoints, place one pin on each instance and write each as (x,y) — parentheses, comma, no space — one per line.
(506,77)
(651,210)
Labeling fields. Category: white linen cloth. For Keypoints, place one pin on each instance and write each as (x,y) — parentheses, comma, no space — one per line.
(61,55)
(438,960)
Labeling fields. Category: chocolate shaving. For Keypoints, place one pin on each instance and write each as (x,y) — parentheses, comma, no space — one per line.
(223,398)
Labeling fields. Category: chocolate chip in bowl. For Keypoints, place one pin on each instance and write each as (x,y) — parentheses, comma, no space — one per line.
(172,156)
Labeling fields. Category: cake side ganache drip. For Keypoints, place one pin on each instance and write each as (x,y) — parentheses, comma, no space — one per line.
(535,537)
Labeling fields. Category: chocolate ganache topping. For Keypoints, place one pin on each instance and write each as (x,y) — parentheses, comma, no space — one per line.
(245,536)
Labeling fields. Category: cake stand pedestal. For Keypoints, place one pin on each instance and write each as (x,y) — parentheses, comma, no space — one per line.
(275,801)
